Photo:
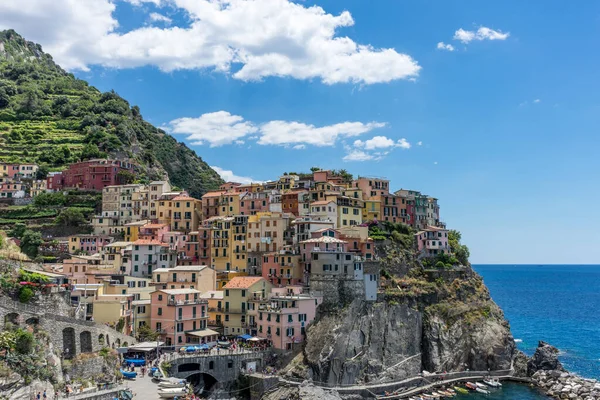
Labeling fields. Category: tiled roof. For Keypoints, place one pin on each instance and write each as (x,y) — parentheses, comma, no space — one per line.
(214,194)
(179,291)
(183,197)
(322,202)
(242,282)
(154,226)
(148,242)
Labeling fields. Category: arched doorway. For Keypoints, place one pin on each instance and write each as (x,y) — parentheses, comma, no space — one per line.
(101,340)
(12,318)
(202,383)
(69,347)
(85,341)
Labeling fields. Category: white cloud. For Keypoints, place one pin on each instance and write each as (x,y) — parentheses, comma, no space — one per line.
(444,46)
(358,155)
(221,128)
(536,100)
(277,38)
(229,176)
(381,142)
(419,143)
(217,128)
(483,33)
(435,163)
(288,133)
(156,17)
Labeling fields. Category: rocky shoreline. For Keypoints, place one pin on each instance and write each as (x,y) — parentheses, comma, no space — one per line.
(548,374)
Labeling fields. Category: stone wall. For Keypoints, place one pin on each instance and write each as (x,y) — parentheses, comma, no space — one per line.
(336,290)
(224,368)
(70,336)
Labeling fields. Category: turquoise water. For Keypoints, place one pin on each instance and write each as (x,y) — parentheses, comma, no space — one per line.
(509,391)
(559,304)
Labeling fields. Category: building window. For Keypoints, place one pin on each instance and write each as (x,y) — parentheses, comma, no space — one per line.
(159,311)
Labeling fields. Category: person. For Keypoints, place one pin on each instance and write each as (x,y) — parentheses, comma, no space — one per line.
(39,396)
(44,395)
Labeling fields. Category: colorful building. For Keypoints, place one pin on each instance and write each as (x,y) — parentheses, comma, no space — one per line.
(88,244)
(199,277)
(237,293)
(432,241)
(93,174)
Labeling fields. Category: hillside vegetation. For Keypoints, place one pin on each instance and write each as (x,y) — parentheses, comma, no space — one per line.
(50,117)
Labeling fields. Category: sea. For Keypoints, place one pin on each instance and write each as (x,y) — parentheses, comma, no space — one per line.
(559,304)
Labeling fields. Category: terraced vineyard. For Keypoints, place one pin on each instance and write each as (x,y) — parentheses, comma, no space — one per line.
(26,141)
(49,117)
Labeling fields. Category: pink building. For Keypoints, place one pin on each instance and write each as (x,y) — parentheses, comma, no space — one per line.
(432,241)
(153,231)
(9,170)
(283,268)
(92,174)
(253,202)
(88,244)
(180,316)
(283,315)
(197,248)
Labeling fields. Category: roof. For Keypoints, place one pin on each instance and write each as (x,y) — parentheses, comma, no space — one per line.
(179,291)
(141,302)
(322,202)
(119,244)
(183,197)
(324,229)
(154,226)
(148,242)
(242,282)
(158,182)
(324,239)
(214,194)
(189,268)
(212,294)
(137,223)
(203,333)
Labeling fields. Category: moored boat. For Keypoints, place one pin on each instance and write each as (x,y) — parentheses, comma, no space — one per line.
(169,393)
(461,390)
(128,374)
(481,385)
(482,391)
(470,385)
(492,382)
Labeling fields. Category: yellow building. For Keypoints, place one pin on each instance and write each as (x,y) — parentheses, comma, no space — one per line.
(114,310)
(215,309)
(228,246)
(235,301)
(182,213)
(141,312)
(199,277)
(349,211)
(132,230)
(224,277)
(119,255)
(266,231)
(372,210)
(229,204)
(38,187)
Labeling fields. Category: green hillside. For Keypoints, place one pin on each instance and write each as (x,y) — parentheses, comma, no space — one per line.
(50,117)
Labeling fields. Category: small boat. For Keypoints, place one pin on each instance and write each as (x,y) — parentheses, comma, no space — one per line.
(481,385)
(470,386)
(169,393)
(172,383)
(461,390)
(448,393)
(482,391)
(128,374)
(426,396)
(492,382)
(451,390)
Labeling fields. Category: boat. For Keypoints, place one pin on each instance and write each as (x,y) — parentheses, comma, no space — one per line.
(461,390)
(481,385)
(172,383)
(492,382)
(470,385)
(448,393)
(169,393)
(128,374)
(482,391)
(451,390)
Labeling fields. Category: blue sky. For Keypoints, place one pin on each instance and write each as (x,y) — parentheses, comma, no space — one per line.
(504,129)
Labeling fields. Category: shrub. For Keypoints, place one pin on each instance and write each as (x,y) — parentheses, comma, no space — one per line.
(25,294)
(24,342)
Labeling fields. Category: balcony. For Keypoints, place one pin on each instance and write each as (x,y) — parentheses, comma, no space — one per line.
(186,302)
(213,322)
(249,325)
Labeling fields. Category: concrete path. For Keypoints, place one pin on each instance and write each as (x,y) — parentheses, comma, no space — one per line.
(143,388)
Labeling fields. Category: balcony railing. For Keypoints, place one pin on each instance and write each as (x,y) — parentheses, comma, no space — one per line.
(186,302)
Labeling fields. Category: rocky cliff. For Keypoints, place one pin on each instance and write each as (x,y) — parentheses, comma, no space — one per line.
(426,318)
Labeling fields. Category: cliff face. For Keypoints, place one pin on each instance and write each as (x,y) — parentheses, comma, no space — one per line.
(433,320)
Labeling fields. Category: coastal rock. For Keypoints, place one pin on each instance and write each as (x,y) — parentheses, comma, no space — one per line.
(545,358)
(365,341)
(520,364)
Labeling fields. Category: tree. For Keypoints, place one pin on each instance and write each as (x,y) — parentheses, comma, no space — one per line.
(315,169)
(70,217)
(42,172)
(24,342)
(461,251)
(91,151)
(18,230)
(146,334)
(49,199)
(125,177)
(30,243)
